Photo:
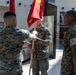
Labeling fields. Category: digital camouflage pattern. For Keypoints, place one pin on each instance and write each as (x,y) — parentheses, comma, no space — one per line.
(11,41)
(41,52)
(41,65)
(67,60)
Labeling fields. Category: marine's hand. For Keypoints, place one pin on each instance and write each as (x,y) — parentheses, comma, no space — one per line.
(34,37)
(35,33)
(31,51)
(27,43)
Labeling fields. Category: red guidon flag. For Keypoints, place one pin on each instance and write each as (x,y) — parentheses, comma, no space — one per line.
(12,6)
(36,12)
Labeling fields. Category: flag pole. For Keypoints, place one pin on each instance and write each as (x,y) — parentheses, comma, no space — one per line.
(36,13)
(32,49)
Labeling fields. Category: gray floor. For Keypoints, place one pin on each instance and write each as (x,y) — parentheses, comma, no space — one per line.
(54,65)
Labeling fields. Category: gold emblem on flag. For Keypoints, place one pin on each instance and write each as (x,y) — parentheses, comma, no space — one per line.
(30,20)
(38,4)
(38,1)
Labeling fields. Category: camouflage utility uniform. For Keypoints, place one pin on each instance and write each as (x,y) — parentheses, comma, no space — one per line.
(11,41)
(41,52)
(67,60)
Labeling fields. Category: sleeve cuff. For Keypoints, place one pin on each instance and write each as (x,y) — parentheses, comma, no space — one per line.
(30,37)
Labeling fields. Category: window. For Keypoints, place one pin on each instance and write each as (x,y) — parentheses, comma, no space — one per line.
(62,18)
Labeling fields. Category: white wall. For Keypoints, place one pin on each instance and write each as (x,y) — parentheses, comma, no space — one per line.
(22,10)
(22,13)
(2,10)
(3,3)
(67,4)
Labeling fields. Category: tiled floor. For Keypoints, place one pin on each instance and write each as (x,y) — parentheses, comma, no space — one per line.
(54,65)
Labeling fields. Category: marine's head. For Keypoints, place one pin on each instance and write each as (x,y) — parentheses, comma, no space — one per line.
(70,17)
(10,19)
(39,23)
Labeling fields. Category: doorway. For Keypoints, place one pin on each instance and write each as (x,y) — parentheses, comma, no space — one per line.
(3,9)
(50,19)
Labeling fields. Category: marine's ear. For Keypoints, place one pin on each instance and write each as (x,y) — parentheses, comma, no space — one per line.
(14,22)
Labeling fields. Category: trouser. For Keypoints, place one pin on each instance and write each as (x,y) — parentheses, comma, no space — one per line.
(4,72)
(40,65)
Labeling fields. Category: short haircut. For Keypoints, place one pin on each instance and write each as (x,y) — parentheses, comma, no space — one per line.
(72,13)
(9,14)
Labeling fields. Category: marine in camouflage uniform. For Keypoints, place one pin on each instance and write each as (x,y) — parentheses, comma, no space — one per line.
(41,53)
(67,66)
(11,41)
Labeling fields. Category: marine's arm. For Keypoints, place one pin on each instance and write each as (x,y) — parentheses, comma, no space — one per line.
(44,42)
(47,39)
(27,35)
(73,48)
(74,56)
